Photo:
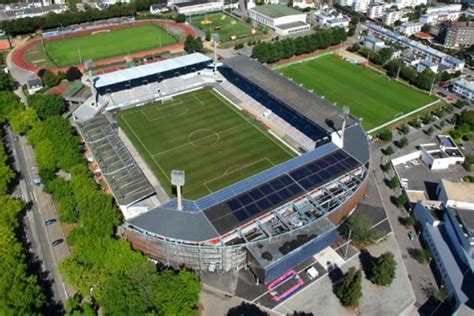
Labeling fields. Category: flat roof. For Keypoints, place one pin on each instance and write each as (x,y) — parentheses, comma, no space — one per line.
(459,191)
(466,218)
(276,10)
(306,103)
(287,26)
(137,72)
(191,3)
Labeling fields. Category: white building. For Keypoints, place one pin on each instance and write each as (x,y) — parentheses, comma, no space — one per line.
(360,5)
(390,16)
(333,19)
(436,15)
(198,6)
(376,11)
(465,89)
(442,155)
(408,3)
(303,4)
(410,28)
(159,8)
(347,3)
(373,43)
(34,84)
(282,19)
(426,64)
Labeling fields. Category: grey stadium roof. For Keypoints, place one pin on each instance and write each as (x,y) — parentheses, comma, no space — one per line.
(148,69)
(125,178)
(303,101)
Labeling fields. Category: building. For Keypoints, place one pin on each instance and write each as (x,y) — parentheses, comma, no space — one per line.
(198,6)
(34,84)
(457,34)
(426,64)
(410,28)
(437,15)
(373,43)
(408,3)
(159,8)
(332,19)
(376,11)
(28,10)
(360,5)
(282,19)
(448,232)
(303,4)
(346,3)
(419,50)
(456,194)
(279,218)
(465,89)
(391,16)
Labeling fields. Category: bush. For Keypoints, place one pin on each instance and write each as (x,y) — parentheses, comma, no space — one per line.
(422,255)
(388,151)
(73,74)
(385,135)
(402,200)
(393,183)
(404,129)
(180,18)
(409,221)
(349,291)
(403,142)
(386,167)
(383,269)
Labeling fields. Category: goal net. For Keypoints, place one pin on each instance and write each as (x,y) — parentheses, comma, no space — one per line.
(166,100)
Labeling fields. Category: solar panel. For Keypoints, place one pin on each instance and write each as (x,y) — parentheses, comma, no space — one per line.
(266,189)
(263,204)
(252,209)
(241,215)
(256,194)
(286,180)
(274,198)
(295,189)
(244,199)
(233,204)
(276,184)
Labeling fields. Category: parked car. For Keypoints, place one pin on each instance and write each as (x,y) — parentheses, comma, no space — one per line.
(37,181)
(411,235)
(57,242)
(50,221)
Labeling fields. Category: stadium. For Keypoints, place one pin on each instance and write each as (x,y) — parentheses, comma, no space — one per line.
(269,218)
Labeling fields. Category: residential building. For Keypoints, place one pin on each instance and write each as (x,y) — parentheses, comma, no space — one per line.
(408,3)
(373,43)
(28,10)
(332,19)
(426,64)
(390,16)
(375,11)
(303,4)
(457,34)
(441,155)
(417,49)
(360,5)
(410,28)
(34,84)
(159,8)
(437,15)
(282,19)
(465,89)
(198,6)
(347,3)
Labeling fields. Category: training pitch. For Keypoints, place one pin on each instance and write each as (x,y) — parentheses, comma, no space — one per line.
(222,24)
(104,44)
(204,135)
(370,95)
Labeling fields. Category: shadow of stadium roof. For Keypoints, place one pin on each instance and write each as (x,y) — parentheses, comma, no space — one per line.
(303,101)
(125,178)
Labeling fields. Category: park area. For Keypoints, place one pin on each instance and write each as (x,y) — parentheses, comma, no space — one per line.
(204,135)
(223,24)
(372,96)
(99,45)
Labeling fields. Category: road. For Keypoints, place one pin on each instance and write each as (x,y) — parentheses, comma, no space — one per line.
(39,235)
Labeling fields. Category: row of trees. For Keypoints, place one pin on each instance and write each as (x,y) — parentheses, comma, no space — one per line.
(103,269)
(70,17)
(270,52)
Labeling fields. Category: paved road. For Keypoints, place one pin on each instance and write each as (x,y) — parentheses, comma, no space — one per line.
(40,236)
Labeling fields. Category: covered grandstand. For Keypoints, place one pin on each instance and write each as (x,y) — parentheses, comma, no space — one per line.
(276,219)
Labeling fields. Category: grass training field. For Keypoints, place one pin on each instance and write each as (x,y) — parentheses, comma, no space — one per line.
(223,24)
(99,46)
(370,95)
(204,135)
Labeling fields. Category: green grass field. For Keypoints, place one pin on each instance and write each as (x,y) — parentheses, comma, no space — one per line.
(223,24)
(100,46)
(203,134)
(370,95)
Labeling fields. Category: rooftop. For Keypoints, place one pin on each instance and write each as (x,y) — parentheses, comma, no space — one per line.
(276,10)
(459,191)
(465,84)
(287,26)
(466,219)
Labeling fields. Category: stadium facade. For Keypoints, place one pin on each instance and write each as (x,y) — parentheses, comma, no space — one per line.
(271,221)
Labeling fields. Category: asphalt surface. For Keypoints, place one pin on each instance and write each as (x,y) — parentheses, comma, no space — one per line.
(42,208)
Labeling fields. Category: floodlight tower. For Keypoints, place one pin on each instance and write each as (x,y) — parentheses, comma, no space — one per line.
(177,179)
(345,115)
(88,67)
(215,41)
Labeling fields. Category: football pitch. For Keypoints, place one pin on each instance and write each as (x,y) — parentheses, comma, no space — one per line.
(204,135)
(105,44)
(370,95)
(222,24)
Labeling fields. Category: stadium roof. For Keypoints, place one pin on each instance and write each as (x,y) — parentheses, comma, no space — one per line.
(275,10)
(149,69)
(125,178)
(287,26)
(313,107)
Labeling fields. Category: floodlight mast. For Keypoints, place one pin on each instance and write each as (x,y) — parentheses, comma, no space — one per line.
(345,115)
(215,40)
(88,64)
(178,180)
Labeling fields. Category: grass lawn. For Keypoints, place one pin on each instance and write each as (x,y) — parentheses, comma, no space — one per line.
(105,44)
(369,94)
(223,24)
(202,134)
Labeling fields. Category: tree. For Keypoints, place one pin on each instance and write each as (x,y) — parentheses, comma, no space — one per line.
(397,23)
(192,45)
(386,167)
(6,84)
(409,221)
(47,105)
(360,228)
(386,135)
(246,309)
(403,142)
(385,54)
(430,130)
(22,121)
(389,150)
(402,200)
(382,271)
(404,129)
(426,28)
(422,255)
(445,76)
(441,295)
(393,183)
(349,291)
(425,79)
(9,102)
(467,118)
(49,78)
(180,18)
(73,74)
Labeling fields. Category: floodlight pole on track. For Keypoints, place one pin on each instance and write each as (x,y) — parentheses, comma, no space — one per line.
(215,41)
(345,115)
(178,179)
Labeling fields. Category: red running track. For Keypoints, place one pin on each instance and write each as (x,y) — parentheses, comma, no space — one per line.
(19,52)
